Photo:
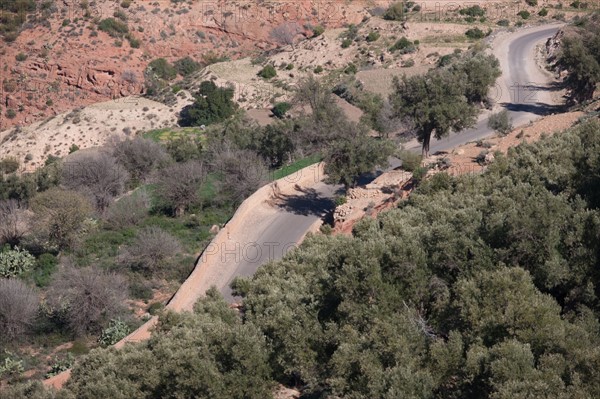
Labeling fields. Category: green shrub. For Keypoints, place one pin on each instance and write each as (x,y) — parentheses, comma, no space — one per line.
(524,14)
(116,331)
(11,367)
(268,72)
(351,69)
(133,42)
(475,34)
(15,262)
(410,160)
(163,69)
(346,43)
(419,174)
(66,22)
(500,122)
(503,22)
(289,67)
(474,11)
(21,57)
(113,27)
(9,165)
(543,12)
(280,109)
(318,30)
(126,3)
(403,46)
(531,3)
(395,12)
(73,148)
(186,66)
(213,104)
(318,69)
(155,308)
(11,113)
(373,36)
(44,268)
(60,365)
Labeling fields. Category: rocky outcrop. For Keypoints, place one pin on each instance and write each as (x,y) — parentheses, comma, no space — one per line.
(71,63)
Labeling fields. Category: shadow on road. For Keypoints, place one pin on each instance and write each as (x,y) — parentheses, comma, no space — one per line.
(533,108)
(308,202)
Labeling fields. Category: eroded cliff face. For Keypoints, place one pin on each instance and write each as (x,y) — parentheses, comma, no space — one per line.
(71,63)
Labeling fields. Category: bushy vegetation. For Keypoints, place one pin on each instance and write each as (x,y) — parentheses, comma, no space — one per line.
(113,27)
(580,57)
(163,69)
(476,286)
(446,98)
(212,104)
(500,122)
(186,66)
(267,72)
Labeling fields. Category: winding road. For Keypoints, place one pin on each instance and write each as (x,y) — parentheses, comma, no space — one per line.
(524,89)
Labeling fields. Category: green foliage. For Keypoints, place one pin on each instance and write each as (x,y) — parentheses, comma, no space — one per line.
(503,22)
(318,30)
(12,366)
(113,27)
(212,104)
(473,11)
(73,148)
(410,160)
(351,69)
(268,72)
(580,57)
(60,364)
(9,165)
(346,43)
(373,36)
(163,69)
(395,12)
(354,153)
(21,57)
(435,102)
(475,34)
(186,66)
(318,69)
(44,268)
(15,262)
(543,12)
(280,109)
(403,46)
(524,14)
(116,331)
(531,3)
(229,360)
(500,122)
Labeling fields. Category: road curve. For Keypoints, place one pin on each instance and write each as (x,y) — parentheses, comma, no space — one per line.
(523,89)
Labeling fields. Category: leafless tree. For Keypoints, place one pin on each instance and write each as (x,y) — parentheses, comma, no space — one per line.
(95,174)
(242,171)
(140,156)
(60,215)
(18,308)
(129,210)
(388,122)
(13,222)
(178,185)
(285,33)
(151,251)
(129,77)
(89,297)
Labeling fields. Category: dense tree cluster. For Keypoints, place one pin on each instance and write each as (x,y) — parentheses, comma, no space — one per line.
(580,57)
(445,99)
(477,286)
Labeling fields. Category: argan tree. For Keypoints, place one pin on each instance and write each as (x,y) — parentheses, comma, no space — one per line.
(434,103)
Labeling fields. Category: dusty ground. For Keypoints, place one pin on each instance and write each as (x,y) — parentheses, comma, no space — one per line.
(91,126)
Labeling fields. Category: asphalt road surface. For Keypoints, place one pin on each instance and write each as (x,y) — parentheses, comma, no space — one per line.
(522,89)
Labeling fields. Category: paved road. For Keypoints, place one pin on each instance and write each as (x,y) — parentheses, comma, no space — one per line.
(514,91)
(522,89)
